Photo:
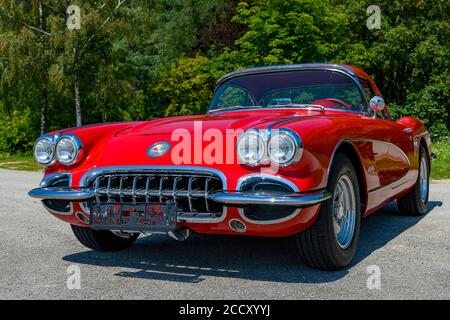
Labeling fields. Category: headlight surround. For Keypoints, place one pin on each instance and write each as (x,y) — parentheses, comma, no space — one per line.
(251,148)
(44,150)
(68,149)
(285,147)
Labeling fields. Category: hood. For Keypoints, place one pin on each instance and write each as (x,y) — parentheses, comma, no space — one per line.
(224,121)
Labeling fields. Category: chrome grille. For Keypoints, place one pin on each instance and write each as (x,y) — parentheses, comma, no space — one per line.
(188,190)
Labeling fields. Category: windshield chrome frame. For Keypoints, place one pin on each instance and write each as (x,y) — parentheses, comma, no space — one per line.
(256,71)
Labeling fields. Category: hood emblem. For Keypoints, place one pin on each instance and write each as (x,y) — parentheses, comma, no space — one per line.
(158,149)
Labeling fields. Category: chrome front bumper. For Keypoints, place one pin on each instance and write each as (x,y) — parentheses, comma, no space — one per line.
(297,199)
(276,199)
(62,193)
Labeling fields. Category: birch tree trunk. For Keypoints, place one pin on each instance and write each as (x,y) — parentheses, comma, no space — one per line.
(76,87)
(44,101)
(77,102)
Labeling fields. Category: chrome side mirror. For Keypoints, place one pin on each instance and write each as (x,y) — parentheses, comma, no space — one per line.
(377,104)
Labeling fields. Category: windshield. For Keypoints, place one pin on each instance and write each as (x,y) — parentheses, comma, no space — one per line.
(329,89)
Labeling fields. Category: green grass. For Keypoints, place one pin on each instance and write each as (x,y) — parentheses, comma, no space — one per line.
(23,162)
(440,168)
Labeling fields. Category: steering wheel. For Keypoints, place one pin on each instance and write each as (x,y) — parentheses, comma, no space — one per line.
(333,103)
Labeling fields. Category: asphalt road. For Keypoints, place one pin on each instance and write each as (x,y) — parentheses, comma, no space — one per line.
(36,250)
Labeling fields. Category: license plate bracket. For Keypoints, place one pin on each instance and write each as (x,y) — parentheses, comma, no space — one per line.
(127,216)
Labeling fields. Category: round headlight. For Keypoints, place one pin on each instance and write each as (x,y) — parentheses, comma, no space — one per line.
(251,148)
(68,149)
(285,147)
(44,150)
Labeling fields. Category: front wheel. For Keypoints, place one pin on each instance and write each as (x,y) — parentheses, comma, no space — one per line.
(331,242)
(104,240)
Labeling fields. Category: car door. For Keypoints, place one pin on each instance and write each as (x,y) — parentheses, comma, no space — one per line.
(393,162)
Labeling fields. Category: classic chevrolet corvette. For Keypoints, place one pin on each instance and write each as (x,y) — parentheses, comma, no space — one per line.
(302,150)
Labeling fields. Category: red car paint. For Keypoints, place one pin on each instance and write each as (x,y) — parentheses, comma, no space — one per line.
(387,155)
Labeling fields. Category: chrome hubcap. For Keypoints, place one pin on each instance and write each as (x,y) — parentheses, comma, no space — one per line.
(344,211)
(423,180)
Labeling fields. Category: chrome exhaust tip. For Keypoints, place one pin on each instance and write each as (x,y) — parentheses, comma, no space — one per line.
(237,225)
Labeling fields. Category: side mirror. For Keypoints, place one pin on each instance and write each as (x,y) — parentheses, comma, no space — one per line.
(377,104)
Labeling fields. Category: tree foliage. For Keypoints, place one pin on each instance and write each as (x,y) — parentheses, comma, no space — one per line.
(140,59)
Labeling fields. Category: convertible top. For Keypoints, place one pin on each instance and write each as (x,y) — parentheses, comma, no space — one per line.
(290,67)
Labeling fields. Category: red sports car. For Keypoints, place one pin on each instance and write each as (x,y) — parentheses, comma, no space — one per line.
(302,150)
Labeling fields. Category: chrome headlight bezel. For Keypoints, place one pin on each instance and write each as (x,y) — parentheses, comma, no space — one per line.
(50,140)
(262,148)
(296,147)
(77,149)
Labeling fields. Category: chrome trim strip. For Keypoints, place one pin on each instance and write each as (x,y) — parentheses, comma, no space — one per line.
(266,176)
(61,213)
(294,199)
(213,112)
(50,179)
(267,222)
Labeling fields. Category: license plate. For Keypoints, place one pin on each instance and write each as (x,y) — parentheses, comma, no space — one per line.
(144,217)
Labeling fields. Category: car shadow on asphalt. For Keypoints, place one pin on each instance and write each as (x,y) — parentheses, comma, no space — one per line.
(158,257)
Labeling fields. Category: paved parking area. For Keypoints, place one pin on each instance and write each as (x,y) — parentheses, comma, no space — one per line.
(413,254)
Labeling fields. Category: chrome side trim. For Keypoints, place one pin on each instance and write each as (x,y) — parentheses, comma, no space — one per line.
(293,199)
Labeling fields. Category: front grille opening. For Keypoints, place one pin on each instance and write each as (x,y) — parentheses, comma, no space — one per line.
(59,206)
(267,213)
(188,190)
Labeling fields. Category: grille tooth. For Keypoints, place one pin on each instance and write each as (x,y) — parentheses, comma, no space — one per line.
(189,190)
(133,189)
(189,194)
(174,189)
(207,180)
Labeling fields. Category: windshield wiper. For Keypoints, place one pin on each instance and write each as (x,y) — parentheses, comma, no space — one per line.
(233,108)
(298,105)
